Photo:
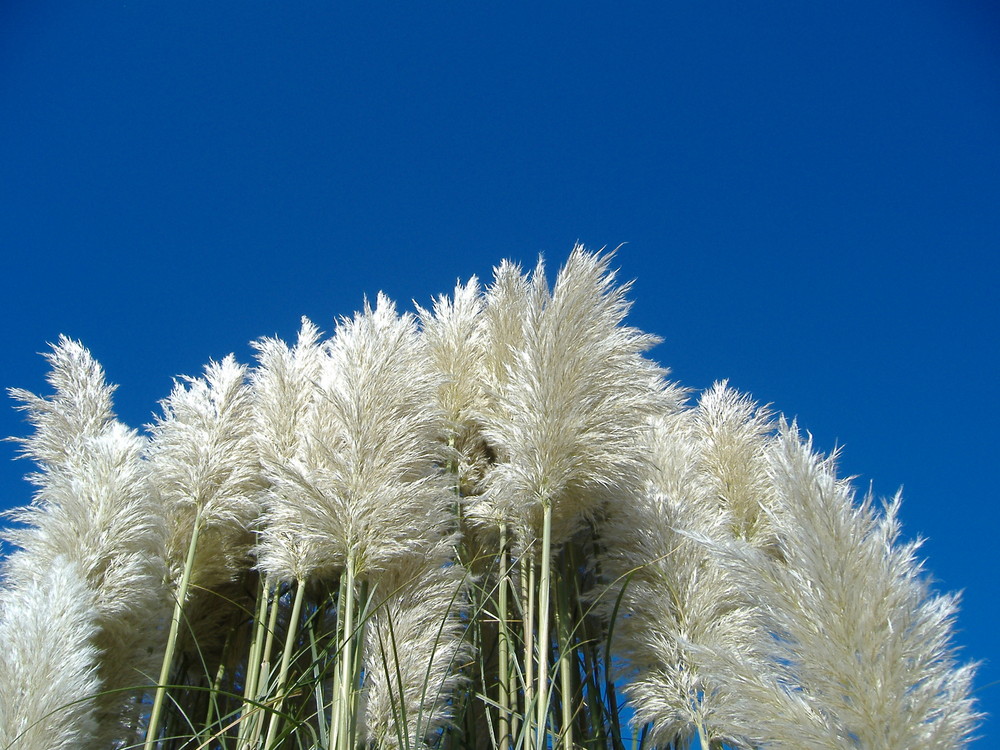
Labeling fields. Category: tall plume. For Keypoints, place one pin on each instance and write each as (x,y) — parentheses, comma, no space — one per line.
(204,464)
(365,482)
(453,333)
(861,652)
(285,388)
(93,506)
(48,663)
(573,394)
(679,599)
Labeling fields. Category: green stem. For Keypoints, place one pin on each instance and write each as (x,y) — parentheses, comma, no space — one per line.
(565,646)
(286,660)
(175,623)
(362,613)
(703,741)
(544,586)
(263,685)
(528,585)
(342,737)
(338,640)
(317,681)
(213,694)
(503,645)
(253,665)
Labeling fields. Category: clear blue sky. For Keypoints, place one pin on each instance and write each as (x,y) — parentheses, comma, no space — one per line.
(810,193)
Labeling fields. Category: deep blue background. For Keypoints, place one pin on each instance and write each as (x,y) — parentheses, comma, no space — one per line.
(809,195)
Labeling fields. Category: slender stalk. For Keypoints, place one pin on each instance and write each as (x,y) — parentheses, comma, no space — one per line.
(503,646)
(565,644)
(528,586)
(597,712)
(702,739)
(338,641)
(516,673)
(175,624)
(286,659)
(347,663)
(544,588)
(213,695)
(609,683)
(253,665)
(317,678)
(264,675)
(364,600)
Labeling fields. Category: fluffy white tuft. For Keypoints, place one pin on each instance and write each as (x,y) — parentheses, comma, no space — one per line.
(203,463)
(570,405)
(48,664)
(679,600)
(860,649)
(415,650)
(285,388)
(94,507)
(365,481)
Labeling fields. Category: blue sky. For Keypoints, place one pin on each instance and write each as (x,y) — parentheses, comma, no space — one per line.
(809,195)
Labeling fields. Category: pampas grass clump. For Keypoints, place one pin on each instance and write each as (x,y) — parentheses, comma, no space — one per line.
(493,524)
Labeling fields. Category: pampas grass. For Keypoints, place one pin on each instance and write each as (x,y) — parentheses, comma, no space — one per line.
(48,665)
(491,525)
(94,507)
(858,648)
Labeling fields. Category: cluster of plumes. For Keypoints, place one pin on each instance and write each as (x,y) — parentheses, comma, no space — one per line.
(94,525)
(352,469)
(767,608)
(759,604)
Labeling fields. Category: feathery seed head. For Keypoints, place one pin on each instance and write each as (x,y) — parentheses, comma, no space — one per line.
(48,662)
(455,337)
(858,650)
(365,483)
(679,600)
(204,465)
(733,432)
(94,508)
(568,417)
(80,407)
(504,321)
(284,386)
(871,644)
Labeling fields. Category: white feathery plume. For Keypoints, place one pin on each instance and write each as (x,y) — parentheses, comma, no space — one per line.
(566,421)
(285,383)
(285,386)
(867,638)
(731,431)
(80,407)
(677,598)
(97,511)
(94,506)
(456,345)
(48,663)
(570,411)
(366,483)
(203,463)
(861,651)
(504,318)
(415,651)
(505,306)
